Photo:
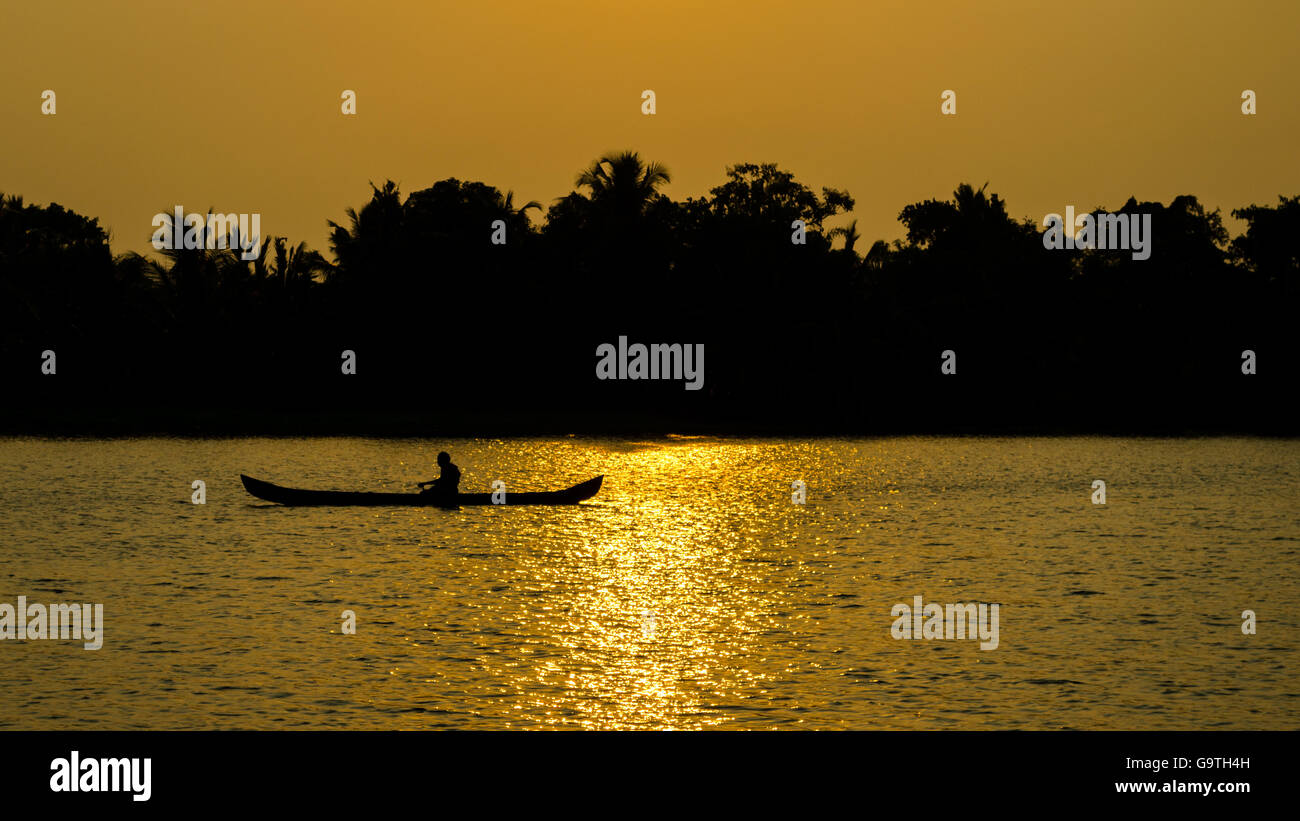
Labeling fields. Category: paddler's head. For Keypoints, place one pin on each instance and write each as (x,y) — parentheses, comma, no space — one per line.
(444,458)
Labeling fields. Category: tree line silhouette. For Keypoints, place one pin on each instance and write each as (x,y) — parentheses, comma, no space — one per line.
(455,334)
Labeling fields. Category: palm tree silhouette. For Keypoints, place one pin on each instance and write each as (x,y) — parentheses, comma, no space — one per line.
(623,182)
(849,232)
(196,275)
(515,218)
(372,235)
(291,267)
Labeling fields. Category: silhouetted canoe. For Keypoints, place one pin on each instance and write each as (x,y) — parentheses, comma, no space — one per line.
(295,497)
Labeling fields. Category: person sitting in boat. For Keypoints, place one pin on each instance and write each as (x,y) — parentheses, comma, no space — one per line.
(447,485)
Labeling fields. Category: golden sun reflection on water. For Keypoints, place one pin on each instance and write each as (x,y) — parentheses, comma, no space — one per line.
(660,626)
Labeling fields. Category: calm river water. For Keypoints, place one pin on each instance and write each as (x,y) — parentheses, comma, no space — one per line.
(691,592)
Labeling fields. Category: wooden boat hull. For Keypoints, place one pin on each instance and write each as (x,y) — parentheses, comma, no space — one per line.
(300,498)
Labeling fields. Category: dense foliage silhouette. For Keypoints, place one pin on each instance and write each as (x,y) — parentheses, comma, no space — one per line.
(455,334)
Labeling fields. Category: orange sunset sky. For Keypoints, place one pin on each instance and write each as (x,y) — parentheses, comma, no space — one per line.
(235,105)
